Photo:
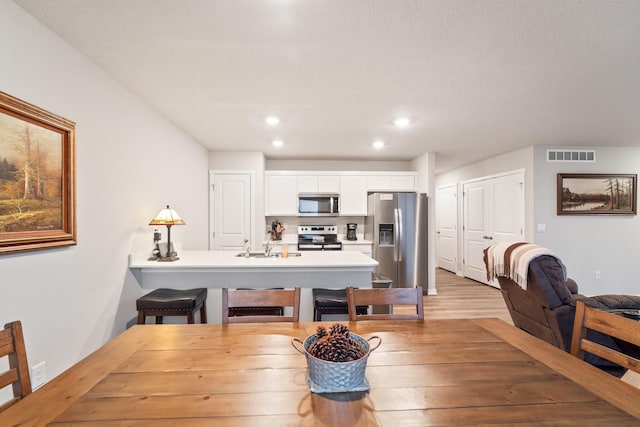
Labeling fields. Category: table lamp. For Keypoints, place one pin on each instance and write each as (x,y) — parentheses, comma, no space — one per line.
(168,217)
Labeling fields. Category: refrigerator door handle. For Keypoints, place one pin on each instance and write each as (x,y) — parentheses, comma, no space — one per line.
(399,242)
(395,235)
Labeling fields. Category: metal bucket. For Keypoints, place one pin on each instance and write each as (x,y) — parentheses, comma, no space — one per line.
(336,376)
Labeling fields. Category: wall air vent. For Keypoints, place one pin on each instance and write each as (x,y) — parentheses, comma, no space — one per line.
(584,156)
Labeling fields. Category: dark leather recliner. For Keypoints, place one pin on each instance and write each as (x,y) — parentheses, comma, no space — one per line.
(546,309)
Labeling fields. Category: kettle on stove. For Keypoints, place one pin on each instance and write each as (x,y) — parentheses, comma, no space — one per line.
(351,231)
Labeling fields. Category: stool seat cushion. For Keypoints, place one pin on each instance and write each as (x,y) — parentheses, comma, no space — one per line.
(332,301)
(172,299)
(329,297)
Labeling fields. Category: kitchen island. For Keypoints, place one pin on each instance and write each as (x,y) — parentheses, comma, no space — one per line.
(215,270)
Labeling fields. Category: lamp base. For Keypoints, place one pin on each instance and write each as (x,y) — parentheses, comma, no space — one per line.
(168,258)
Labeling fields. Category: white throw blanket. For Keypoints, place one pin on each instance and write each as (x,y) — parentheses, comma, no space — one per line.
(511,260)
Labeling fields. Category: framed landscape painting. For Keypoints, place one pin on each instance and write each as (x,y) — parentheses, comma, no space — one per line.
(596,194)
(37,178)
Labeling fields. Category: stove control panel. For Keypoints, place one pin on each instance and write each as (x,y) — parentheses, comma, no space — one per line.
(317,229)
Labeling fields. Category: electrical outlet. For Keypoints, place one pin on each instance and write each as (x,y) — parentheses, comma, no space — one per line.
(598,275)
(38,375)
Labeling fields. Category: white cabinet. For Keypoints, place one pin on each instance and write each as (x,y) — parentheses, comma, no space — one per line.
(404,182)
(392,182)
(281,195)
(353,195)
(379,183)
(328,184)
(307,183)
(318,183)
(282,188)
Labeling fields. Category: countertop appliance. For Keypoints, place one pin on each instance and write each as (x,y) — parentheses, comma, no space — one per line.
(396,223)
(318,238)
(351,231)
(318,204)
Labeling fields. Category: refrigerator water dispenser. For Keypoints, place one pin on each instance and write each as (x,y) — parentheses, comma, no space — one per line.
(385,235)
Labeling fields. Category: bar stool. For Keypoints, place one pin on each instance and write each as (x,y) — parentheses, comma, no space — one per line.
(172,302)
(332,301)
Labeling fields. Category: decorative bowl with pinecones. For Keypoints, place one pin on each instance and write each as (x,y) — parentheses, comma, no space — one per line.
(336,359)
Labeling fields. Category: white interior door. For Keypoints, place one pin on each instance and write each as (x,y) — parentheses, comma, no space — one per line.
(231,210)
(476,224)
(447,227)
(508,209)
(493,213)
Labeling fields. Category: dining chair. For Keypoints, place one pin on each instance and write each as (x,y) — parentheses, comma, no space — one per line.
(12,345)
(255,311)
(392,296)
(617,327)
(260,298)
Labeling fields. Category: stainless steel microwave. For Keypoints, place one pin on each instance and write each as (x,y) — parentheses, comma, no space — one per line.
(318,204)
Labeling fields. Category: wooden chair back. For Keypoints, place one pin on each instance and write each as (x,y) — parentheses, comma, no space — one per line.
(260,298)
(392,296)
(619,327)
(12,345)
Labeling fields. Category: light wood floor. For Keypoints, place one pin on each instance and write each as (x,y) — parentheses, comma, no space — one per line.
(459,297)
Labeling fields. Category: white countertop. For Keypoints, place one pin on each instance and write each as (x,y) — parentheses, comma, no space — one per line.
(220,260)
(355,242)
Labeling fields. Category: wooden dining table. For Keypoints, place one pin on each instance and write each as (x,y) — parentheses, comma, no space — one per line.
(433,372)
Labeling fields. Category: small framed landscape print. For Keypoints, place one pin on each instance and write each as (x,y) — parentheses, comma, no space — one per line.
(596,194)
(37,178)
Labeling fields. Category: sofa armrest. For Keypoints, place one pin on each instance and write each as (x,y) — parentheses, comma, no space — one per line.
(571,285)
(611,302)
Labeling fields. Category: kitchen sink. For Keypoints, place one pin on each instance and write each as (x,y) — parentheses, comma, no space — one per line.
(261,254)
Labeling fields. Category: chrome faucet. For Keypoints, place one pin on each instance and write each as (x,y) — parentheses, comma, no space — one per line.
(267,248)
(246,249)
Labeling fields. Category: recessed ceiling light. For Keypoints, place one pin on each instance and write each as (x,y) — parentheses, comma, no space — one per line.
(378,144)
(277,143)
(272,120)
(402,122)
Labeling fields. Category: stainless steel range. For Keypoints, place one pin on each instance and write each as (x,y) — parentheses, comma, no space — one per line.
(318,238)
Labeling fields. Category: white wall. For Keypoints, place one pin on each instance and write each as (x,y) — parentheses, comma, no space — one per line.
(425,166)
(515,160)
(130,163)
(589,243)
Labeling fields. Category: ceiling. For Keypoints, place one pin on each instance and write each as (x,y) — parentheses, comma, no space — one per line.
(477,78)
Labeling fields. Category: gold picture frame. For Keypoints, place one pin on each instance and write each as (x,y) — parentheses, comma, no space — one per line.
(37,178)
(596,194)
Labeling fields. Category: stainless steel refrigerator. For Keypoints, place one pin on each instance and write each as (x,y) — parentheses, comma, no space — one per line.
(396,223)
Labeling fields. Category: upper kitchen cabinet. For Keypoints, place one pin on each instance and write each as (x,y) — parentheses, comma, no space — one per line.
(392,181)
(353,195)
(282,188)
(318,184)
(281,195)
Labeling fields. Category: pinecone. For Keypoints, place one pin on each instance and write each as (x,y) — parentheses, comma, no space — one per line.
(336,346)
(321,332)
(320,348)
(344,349)
(338,329)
